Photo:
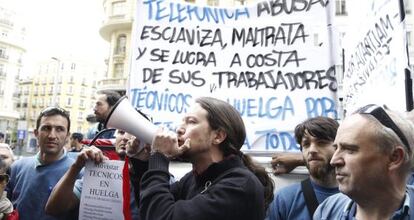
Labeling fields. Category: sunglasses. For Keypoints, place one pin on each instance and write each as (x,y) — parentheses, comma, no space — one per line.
(4,177)
(381,115)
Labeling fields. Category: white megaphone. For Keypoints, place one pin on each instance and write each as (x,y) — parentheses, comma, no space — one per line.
(124,117)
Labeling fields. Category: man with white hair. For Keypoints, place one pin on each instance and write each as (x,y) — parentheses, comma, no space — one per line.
(6,154)
(372,160)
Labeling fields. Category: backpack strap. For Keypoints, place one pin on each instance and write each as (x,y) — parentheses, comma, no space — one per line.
(310,197)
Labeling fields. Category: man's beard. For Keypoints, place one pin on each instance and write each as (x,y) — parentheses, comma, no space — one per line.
(122,155)
(320,172)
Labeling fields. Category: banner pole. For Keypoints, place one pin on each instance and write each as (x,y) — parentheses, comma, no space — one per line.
(408,80)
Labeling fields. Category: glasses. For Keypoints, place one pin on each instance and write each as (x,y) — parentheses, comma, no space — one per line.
(382,116)
(51,109)
(4,177)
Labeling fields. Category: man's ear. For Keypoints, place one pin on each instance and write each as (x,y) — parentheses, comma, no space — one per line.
(220,136)
(396,157)
(36,132)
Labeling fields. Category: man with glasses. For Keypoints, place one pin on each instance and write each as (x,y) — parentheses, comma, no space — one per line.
(372,161)
(6,207)
(33,178)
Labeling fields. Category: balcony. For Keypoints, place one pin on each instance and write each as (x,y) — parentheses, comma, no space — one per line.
(115,23)
(6,22)
(117,84)
(4,56)
(119,58)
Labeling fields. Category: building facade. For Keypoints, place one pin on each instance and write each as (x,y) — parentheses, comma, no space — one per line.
(11,54)
(65,82)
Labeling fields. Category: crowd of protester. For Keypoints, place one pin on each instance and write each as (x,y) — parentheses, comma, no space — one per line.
(361,168)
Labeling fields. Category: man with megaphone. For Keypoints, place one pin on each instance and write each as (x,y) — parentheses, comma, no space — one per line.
(223,184)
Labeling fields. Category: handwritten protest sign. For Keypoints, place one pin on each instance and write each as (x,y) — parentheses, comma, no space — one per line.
(101,196)
(272,60)
(375,56)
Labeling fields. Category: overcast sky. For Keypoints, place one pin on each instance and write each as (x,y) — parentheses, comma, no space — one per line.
(56,28)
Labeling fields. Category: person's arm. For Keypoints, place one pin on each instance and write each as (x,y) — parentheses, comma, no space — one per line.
(138,154)
(232,197)
(285,162)
(62,198)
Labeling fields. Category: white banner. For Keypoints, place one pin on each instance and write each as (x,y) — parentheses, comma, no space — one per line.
(101,197)
(375,56)
(271,61)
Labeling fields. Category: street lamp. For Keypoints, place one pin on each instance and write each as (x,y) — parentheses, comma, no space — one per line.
(55,81)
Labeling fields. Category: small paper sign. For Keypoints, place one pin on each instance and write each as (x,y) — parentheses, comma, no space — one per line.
(101,197)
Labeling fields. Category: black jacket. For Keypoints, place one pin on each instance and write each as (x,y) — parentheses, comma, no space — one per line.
(226,190)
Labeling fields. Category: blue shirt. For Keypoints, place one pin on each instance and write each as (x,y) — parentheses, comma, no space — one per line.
(289,202)
(31,183)
(341,207)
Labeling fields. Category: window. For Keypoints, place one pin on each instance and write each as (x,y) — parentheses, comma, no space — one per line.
(239,2)
(118,70)
(4,33)
(407,6)
(69,102)
(80,116)
(82,103)
(340,6)
(70,90)
(3,53)
(118,8)
(409,38)
(2,71)
(120,44)
(73,66)
(213,2)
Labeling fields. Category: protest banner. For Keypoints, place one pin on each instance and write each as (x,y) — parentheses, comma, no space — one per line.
(273,61)
(375,56)
(102,197)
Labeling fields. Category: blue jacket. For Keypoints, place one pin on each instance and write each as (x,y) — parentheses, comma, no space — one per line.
(341,207)
(289,202)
